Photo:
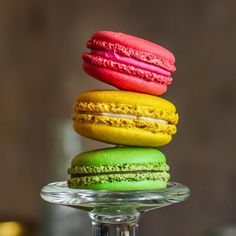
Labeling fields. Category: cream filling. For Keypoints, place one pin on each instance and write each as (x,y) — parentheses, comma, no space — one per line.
(128,116)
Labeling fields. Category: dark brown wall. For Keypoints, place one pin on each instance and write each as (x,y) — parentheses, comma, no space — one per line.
(40,75)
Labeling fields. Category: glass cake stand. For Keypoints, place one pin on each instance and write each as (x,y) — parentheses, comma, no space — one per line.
(114,213)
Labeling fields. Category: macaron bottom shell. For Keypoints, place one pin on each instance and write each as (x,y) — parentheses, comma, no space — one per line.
(122,136)
(124,185)
(125,81)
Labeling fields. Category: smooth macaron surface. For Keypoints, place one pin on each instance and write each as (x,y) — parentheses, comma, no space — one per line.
(129,62)
(119,156)
(119,168)
(125,118)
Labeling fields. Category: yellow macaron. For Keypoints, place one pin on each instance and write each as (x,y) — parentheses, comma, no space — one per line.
(125,118)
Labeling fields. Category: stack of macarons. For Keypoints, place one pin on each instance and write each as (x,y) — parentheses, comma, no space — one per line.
(134,118)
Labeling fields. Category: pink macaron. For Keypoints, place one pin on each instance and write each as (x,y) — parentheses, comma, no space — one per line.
(129,63)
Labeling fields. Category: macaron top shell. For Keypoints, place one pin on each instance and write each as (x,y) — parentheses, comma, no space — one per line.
(135,43)
(119,156)
(126,97)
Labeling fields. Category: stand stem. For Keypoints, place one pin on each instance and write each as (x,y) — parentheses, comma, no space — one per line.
(107,225)
(108,229)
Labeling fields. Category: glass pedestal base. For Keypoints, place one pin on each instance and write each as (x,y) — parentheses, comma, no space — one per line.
(114,213)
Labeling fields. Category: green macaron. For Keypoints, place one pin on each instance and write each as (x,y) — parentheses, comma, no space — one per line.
(119,168)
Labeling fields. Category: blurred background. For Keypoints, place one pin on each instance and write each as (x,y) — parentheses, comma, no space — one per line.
(40,75)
